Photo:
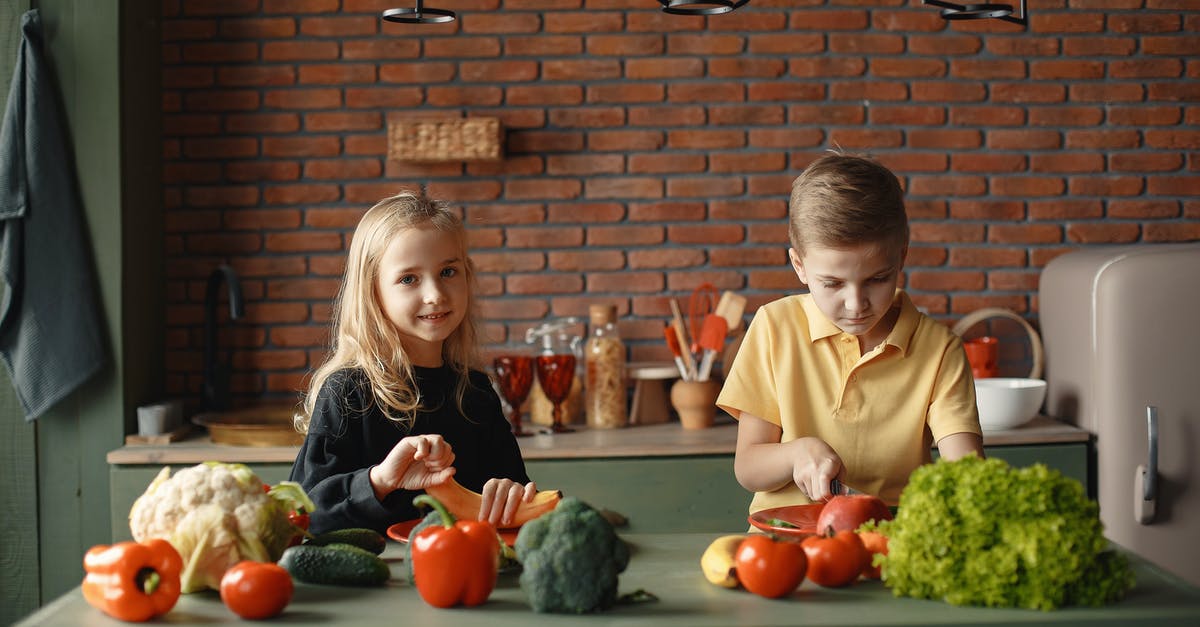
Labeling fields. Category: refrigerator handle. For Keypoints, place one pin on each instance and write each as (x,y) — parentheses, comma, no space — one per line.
(1150,483)
(1145,478)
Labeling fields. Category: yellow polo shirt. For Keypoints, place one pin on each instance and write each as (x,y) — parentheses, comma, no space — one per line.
(880,411)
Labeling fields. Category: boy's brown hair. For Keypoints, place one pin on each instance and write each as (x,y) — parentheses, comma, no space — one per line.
(841,200)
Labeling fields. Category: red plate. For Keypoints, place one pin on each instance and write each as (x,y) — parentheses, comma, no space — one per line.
(804,517)
(399,531)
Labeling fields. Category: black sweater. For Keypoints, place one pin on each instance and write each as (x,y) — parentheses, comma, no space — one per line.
(348,434)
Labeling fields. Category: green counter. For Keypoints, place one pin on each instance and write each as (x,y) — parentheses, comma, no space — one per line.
(667,565)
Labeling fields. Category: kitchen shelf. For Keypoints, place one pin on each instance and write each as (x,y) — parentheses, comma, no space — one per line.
(659,440)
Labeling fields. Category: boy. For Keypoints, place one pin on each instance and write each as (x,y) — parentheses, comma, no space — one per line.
(849,381)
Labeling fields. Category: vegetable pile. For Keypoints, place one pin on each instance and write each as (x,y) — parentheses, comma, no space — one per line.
(571,558)
(977,532)
(216,515)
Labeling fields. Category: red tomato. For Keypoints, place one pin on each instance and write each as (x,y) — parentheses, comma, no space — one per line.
(874,542)
(835,560)
(769,568)
(256,590)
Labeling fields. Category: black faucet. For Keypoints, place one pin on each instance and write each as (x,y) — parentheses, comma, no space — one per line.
(214,396)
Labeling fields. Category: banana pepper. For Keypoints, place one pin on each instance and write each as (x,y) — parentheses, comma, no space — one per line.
(132,581)
(455,563)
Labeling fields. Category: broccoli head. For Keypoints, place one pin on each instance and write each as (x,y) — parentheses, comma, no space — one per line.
(570,557)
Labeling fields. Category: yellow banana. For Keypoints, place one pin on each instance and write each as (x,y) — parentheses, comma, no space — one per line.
(718,561)
(464,503)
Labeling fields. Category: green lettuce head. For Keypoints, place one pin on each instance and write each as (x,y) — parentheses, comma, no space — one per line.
(978,532)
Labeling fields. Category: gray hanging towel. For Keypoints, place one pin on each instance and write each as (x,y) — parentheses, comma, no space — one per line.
(51,333)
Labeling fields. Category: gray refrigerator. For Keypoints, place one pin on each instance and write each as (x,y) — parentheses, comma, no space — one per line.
(1121,330)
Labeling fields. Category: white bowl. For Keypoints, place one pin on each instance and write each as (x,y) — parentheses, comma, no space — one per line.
(1006,403)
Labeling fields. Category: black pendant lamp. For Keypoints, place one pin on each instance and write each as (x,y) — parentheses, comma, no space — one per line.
(418,15)
(1004,12)
(700,7)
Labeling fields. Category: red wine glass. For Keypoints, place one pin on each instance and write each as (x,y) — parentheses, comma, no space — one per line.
(514,373)
(555,374)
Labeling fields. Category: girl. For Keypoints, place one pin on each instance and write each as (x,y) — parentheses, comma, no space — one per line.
(397,408)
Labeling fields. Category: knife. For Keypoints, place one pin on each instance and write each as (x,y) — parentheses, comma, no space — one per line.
(837,487)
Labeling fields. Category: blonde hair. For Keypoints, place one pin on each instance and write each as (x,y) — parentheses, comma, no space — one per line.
(842,200)
(364,338)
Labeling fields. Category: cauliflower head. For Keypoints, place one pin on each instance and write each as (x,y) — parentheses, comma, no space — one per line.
(217,515)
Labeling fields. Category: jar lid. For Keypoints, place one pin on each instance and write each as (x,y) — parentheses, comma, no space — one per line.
(602,314)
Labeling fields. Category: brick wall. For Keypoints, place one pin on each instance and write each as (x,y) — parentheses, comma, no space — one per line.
(648,153)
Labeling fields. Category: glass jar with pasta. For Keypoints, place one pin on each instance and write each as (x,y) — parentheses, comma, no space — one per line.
(604,387)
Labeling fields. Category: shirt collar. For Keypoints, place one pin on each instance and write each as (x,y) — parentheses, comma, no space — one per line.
(820,327)
(906,324)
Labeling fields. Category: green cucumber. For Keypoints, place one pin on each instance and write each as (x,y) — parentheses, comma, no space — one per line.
(343,565)
(366,539)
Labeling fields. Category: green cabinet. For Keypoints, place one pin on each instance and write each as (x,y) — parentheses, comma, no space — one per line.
(656,494)
(684,493)
(1071,459)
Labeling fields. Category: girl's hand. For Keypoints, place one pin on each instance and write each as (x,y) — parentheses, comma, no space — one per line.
(815,465)
(501,497)
(415,463)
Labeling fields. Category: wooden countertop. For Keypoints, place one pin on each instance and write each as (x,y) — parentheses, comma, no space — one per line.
(668,566)
(661,440)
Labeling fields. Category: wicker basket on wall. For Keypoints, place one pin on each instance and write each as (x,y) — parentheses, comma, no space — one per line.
(447,139)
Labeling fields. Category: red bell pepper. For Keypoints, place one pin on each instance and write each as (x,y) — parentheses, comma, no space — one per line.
(298,517)
(131,581)
(768,567)
(457,562)
(301,520)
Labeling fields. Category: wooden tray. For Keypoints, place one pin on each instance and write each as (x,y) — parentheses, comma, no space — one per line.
(268,425)
(182,432)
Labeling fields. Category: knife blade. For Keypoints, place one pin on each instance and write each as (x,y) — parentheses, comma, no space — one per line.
(837,487)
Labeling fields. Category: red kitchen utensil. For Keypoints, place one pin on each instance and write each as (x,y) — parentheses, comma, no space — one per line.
(701,303)
(797,521)
(676,351)
(712,340)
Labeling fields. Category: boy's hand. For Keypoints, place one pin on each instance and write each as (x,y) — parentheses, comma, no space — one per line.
(501,498)
(415,463)
(816,465)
